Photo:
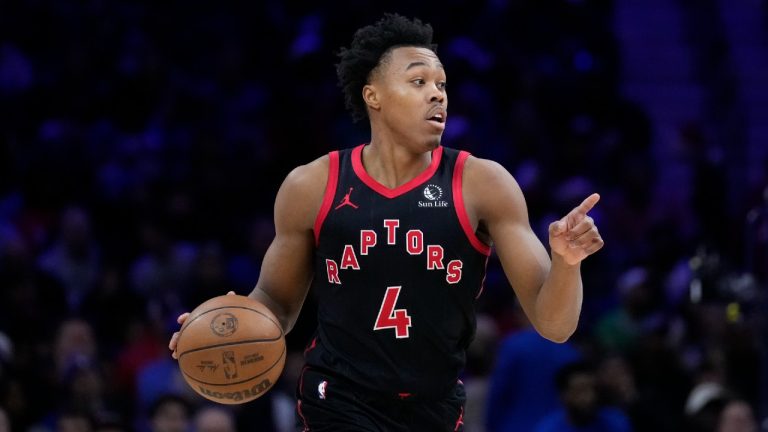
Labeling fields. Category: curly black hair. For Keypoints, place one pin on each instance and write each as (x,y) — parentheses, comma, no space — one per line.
(369,48)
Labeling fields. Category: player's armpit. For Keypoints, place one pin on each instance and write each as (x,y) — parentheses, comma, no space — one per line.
(286,271)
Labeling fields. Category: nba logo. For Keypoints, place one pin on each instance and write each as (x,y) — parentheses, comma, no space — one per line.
(321,389)
(230,366)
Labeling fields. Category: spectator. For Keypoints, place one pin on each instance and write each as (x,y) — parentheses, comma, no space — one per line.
(581,410)
(162,272)
(618,331)
(522,384)
(75,344)
(477,380)
(617,383)
(737,416)
(74,258)
(244,269)
(214,419)
(170,413)
(74,421)
(159,377)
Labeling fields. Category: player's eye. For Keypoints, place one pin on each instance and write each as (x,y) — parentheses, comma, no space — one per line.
(418,81)
(441,85)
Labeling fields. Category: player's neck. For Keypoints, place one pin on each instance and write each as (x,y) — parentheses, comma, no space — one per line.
(393,164)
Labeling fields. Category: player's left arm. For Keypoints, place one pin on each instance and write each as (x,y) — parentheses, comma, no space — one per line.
(549,289)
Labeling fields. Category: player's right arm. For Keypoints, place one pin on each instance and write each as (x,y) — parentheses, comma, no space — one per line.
(286,270)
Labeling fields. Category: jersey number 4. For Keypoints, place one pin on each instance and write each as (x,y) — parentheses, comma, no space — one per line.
(389,317)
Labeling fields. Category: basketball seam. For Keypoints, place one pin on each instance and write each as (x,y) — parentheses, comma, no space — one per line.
(228,344)
(282,354)
(189,322)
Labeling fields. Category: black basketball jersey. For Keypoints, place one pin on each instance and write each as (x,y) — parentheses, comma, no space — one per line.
(397,273)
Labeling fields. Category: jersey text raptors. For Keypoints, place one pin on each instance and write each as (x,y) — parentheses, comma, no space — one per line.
(397,272)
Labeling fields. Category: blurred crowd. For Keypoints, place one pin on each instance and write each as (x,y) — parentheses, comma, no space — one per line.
(142,145)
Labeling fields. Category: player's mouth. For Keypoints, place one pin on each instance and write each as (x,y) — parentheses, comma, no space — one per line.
(437,115)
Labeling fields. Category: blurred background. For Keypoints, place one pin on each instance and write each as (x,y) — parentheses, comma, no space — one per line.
(142,145)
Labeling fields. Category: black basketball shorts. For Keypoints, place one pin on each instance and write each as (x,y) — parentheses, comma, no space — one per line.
(333,404)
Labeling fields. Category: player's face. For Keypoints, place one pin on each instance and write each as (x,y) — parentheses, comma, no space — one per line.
(413,101)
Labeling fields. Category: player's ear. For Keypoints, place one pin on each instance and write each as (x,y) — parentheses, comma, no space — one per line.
(371,97)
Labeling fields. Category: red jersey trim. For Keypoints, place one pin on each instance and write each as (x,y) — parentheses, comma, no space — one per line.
(461,211)
(305,426)
(357,166)
(298,400)
(485,275)
(330,192)
(460,420)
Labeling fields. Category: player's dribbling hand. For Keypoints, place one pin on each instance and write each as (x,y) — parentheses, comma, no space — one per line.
(575,236)
(175,338)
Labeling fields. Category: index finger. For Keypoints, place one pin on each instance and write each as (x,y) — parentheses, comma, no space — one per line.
(587,204)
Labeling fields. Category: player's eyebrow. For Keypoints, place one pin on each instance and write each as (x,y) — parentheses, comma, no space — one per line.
(421,63)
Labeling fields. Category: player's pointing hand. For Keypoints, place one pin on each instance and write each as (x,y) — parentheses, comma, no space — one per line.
(575,236)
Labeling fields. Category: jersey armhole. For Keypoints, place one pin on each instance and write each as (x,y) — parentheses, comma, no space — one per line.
(461,211)
(330,192)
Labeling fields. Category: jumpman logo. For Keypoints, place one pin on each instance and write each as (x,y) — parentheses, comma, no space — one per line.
(346,201)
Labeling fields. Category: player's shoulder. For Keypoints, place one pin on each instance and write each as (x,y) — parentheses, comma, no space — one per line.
(489,188)
(485,172)
(309,177)
(301,193)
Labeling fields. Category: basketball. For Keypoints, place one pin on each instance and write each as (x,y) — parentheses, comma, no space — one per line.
(231,349)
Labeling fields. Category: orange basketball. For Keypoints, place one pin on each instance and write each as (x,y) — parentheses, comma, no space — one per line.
(231,349)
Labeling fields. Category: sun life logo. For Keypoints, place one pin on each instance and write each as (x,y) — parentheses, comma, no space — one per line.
(321,389)
(433,192)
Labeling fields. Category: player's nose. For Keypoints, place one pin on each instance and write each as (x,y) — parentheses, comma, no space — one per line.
(436,94)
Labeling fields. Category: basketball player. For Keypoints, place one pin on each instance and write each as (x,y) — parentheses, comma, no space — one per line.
(393,237)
